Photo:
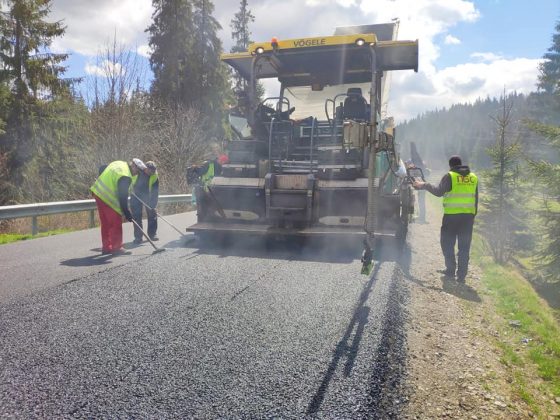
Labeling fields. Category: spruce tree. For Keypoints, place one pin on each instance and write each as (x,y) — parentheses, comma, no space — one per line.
(241,35)
(503,217)
(212,83)
(548,170)
(31,74)
(173,59)
(549,77)
(186,58)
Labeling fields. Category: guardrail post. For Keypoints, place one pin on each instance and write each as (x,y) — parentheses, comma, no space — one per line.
(92,218)
(34,227)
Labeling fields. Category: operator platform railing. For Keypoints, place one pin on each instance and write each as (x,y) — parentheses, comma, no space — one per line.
(42,209)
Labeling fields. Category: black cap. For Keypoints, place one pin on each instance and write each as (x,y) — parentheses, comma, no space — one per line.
(455,161)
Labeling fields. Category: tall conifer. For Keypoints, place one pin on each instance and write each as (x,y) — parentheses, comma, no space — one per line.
(549,77)
(30,73)
(172,40)
(241,35)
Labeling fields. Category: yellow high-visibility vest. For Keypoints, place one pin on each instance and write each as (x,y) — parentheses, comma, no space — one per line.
(106,185)
(207,176)
(462,197)
(152,181)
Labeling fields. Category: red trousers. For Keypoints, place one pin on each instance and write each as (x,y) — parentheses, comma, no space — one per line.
(111,226)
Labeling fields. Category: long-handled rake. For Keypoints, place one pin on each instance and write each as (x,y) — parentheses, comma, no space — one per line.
(156,249)
(159,215)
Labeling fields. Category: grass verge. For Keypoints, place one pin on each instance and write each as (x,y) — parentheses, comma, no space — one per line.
(529,333)
(6,238)
(528,330)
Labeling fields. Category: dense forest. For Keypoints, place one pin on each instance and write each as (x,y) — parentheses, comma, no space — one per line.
(55,132)
(469,130)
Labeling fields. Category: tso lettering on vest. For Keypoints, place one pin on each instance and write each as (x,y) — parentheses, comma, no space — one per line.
(309,42)
(468,179)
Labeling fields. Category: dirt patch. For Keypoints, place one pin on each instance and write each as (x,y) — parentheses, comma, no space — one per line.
(454,368)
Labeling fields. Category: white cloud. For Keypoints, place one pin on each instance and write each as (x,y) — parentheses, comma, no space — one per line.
(90,26)
(486,56)
(104,69)
(464,83)
(451,40)
(144,50)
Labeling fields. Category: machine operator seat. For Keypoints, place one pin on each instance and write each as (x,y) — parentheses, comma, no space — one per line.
(355,105)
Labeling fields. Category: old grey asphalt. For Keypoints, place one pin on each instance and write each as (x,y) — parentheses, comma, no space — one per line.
(247,331)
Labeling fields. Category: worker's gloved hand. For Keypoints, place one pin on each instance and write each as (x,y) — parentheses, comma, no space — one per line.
(418,185)
(127,215)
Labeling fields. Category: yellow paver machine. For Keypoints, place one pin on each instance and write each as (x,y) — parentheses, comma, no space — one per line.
(318,159)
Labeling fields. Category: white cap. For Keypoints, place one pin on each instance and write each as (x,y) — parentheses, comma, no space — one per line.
(139,164)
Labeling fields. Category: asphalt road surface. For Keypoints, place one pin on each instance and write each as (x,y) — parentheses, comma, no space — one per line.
(249,330)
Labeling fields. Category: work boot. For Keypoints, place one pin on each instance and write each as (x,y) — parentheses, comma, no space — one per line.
(137,241)
(120,252)
(446,273)
(461,279)
(154,238)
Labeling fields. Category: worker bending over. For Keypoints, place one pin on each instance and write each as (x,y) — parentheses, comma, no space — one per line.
(145,192)
(110,192)
(459,188)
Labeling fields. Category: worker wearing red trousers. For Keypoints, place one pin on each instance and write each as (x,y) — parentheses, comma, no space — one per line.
(110,192)
(459,188)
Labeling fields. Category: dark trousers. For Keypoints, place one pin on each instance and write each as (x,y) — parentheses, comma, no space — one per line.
(456,228)
(136,210)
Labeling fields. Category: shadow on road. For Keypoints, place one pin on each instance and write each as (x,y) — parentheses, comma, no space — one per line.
(283,249)
(92,260)
(344,348)
(334,250)
(461,290)
(449,285)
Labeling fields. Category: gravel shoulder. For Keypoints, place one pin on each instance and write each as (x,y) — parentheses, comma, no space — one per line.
(454,368)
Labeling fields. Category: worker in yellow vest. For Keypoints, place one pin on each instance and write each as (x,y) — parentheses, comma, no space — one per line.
(146,192)
(459,188)
(199,177)
(110,192)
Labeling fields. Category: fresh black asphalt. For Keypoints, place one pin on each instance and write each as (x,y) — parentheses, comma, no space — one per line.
(251,330)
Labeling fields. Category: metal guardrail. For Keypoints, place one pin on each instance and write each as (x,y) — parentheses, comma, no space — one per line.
(42,209)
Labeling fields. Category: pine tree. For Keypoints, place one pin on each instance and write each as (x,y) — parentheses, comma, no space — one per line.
(548,170)
(549,77)
(173,59)
(31,73)
(212,83)
(548,174)
(186,58)
(503,216)
(241,35)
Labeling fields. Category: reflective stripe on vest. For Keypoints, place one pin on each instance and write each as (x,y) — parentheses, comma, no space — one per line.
(106,185)
(462,197)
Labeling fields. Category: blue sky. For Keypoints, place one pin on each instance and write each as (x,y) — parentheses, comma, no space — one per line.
(512,28)
(468,49)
